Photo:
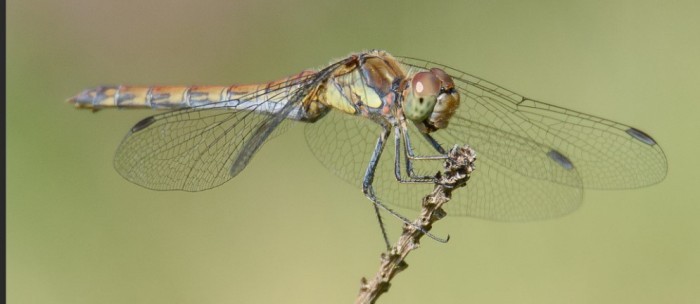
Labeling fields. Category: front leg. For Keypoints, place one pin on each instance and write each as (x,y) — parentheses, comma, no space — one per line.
(412,178)
(410,155)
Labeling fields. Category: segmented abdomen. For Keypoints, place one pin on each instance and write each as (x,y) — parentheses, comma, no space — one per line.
(173,97)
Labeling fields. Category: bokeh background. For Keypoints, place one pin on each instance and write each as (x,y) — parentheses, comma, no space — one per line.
(287,230)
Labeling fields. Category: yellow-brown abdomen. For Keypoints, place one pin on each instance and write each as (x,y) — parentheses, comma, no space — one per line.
(173,97)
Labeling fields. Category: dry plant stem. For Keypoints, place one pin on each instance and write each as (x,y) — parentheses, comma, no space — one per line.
(458,168)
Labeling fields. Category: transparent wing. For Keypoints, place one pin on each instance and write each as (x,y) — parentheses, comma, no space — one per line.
(202,147)
(533,159)
(606,154)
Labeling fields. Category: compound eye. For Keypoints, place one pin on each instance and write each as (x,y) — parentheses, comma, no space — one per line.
(425,84)
(447,82)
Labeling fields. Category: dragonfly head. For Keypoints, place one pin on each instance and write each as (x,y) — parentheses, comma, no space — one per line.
(431,100)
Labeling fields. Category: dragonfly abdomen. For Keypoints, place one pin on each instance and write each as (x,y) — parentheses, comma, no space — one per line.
(157,97)
(174,97)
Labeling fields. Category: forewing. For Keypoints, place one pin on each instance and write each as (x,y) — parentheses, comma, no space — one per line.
(606,154)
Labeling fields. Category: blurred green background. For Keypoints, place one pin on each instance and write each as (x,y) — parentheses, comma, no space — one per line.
(78,233)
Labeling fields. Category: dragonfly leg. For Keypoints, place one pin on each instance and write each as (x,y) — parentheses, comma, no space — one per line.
(434,144)
(410,156)
(369,178)
(369,190)
(412,178)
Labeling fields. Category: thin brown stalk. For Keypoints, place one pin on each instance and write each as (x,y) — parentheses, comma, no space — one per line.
(458,168)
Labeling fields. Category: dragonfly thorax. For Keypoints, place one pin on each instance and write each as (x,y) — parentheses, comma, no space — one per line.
(431,100)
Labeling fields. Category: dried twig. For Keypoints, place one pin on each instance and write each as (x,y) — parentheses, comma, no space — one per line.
(458,168)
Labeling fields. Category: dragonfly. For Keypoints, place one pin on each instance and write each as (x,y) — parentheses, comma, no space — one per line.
(535,158)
